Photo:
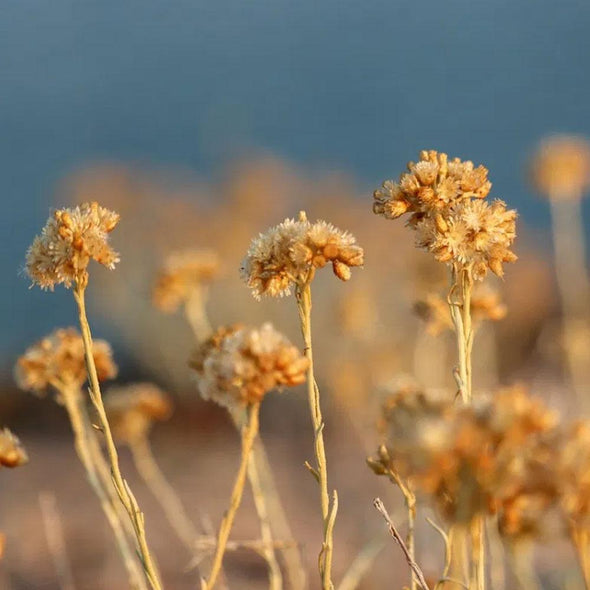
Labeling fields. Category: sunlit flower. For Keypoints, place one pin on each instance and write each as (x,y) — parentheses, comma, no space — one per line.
(239,366)
(70,239)
(12,453)
(290,252)
(181,274)
(58,361)
(134,408)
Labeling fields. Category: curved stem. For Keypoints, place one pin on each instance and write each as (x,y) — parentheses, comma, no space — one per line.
(156,481)
(83,444)
(249,433)
(320,472)
(124,492)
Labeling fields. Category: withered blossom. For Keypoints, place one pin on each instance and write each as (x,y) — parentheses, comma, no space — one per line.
(70,239)
(238,366)
(58,361)
(133,409)
(447,207)
(289,253)
(182,273)
(560,167)
(494,457)
(12,453)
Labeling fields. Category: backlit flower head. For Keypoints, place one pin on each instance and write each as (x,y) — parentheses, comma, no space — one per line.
(240,365)
(70,239)
(560,168)
(12,453)
(181,274)
(58,361)
(448,210)
(133,409)
(289,253)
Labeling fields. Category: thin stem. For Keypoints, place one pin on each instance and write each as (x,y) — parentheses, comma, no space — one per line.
(83,439)
(478,552)
(581,540)
(124,492)
(249,432)
(196,313)
(573,285)
(303,297)
(156,481)
(267,550)
(361,564)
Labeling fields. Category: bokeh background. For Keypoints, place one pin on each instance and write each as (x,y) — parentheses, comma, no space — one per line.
(205,122)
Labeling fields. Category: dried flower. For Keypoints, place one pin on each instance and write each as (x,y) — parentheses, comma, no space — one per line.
(58,361)
(69,240)
(496,456)
(448,212)
(134,408)
(239,365)
(12,453)
(181,274)
(290,252)
(560,168)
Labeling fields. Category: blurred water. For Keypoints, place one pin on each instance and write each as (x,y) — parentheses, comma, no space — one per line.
(360,85)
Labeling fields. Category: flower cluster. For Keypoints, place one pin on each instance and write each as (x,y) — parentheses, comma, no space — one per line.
(448,211)
(182,273)
(486,305)
(69,240)
(133,409)
(496,457)
(58,361)
(560,168)
(12,453)
(289,253)
(239,365)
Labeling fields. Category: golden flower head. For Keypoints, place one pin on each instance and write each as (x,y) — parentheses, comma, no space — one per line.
(70,239)
(183,272)
(240,365)
(289,253)
(12,453)
(446,200)
(560,167)
(58,361)
(493,457)
(133,409)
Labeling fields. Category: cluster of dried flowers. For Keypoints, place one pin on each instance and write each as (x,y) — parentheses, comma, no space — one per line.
(133,409)
(448,210)
(289,253)
(58,361)
(69,240)
(181,274)
(12,453)
(506,455)
(238,366)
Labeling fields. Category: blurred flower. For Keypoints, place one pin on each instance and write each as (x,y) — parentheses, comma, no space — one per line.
(497,456)
(58,361)
(290,252)
(239,366)
(134,408)
(560,168)
(12,453)
(182,273)
(69,240)
(451,219)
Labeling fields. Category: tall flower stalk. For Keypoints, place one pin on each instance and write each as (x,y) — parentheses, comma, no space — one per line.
(284,258)
(446,201)
(236,367)
(70,239)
